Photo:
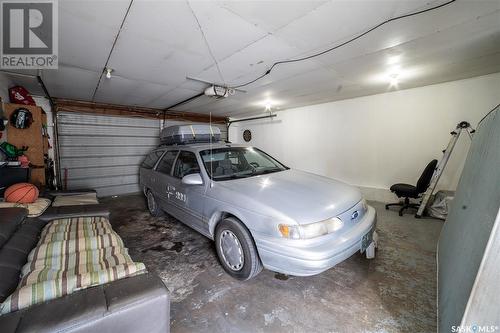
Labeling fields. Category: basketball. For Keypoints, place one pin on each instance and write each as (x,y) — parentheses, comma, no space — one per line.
(21,193)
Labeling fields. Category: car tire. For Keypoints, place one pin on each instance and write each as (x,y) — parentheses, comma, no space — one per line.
(236,249)
(153,207)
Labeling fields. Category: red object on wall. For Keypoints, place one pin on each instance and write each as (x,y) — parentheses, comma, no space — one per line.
(25,162)
(19,95)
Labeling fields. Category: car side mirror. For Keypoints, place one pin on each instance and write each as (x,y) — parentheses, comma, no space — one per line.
(192,179)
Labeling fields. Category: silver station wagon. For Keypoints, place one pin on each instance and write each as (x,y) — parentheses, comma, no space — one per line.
(259,212)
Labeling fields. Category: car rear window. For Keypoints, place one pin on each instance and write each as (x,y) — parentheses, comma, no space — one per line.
(151,159)
(166,163)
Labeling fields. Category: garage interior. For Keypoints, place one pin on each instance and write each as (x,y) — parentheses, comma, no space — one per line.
(364,92)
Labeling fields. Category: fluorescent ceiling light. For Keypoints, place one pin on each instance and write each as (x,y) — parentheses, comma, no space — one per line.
(393,60)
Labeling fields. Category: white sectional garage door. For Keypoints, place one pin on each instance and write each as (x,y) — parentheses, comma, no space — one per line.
(104,152)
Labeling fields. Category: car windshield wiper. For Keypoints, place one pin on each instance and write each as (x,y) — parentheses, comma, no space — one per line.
(233,176)
(269,171)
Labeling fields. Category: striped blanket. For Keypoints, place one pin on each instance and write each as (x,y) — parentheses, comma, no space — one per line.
(72,254)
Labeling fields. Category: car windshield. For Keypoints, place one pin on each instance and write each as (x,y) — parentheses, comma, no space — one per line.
(238,162)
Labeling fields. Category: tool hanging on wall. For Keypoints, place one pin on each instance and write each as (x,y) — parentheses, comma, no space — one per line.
(462,126)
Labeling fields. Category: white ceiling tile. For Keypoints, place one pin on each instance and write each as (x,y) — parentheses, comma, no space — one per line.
(421,58)
(225,31)
(70,82)
(419,27)
(87,30)
(160,42)
(251,62)
(129,92)
(172,97)
(271,15)
(333,22)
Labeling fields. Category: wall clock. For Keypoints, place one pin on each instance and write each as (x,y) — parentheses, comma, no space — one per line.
(247,135)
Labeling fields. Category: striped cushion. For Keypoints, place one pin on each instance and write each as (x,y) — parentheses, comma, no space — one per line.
(72,254)
(74,259)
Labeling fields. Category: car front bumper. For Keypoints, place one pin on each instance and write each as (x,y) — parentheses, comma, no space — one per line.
(313,256)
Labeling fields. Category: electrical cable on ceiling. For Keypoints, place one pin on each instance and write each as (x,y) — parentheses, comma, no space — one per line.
(322,52)
(344,43)
(105,69)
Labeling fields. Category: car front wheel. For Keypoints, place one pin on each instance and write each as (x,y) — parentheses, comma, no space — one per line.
(153,207)
(236,250)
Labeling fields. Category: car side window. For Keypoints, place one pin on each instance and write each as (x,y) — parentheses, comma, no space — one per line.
(151,159)
(186,164)
(165,165)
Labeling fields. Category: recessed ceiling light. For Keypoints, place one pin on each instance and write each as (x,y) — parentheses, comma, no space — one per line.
(393,80)
(393,75)
(268,103)
(393,60)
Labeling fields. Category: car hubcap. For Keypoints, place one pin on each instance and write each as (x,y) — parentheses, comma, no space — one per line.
(231,250)
(151,202)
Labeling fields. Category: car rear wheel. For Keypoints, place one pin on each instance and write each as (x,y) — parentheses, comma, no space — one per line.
(153,207)
(236,249)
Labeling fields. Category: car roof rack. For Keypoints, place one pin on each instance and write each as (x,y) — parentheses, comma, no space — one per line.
(189,134)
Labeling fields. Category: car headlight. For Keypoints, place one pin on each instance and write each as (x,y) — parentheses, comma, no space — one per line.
(312,230)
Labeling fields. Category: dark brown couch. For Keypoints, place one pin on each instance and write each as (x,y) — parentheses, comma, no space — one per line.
(136,304)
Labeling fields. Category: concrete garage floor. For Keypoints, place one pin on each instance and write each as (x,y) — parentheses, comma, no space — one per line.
(396,292)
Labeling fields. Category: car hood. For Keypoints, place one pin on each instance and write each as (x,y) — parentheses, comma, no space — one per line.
(292,194)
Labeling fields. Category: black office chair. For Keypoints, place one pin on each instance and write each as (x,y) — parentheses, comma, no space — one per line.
(408,191)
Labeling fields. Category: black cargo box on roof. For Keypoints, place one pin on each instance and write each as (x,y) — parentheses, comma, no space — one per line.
(184,134)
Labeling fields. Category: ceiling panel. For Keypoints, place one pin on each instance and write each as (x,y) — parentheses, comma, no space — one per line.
(162,42)
(87,30)
(226,32)
(421,58)
(333,22)
(263,13)
(251,62)
(71,82)
(465,13)
(172,97)
(129,92)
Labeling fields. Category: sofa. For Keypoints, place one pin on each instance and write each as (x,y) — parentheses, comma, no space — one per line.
(138,303)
